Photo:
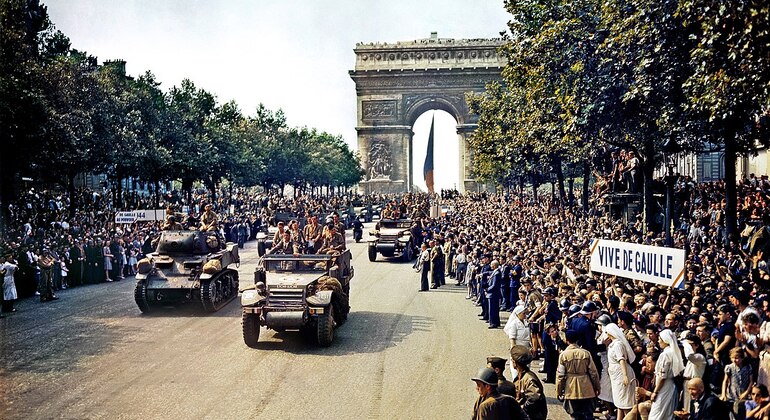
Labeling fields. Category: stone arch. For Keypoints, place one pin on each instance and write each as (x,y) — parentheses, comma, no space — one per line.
(416,77)
(431,103)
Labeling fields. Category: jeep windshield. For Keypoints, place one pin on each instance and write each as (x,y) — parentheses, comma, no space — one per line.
(302,263)
(395,224)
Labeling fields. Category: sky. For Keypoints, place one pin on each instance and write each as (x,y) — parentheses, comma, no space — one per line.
(292,55)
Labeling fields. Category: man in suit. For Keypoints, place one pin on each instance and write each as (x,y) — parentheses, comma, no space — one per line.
(493,294)
(703,405)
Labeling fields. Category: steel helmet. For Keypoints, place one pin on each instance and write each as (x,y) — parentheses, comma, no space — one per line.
(604,320)
(486,375)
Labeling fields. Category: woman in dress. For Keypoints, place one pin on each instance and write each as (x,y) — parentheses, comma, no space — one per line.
(620,356)
(107,260)
(7,268)
(664,397)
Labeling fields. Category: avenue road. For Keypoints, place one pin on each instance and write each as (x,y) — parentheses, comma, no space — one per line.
(402,354)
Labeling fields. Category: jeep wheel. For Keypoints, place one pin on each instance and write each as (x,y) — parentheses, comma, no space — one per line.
(250,323)
(325,327)
(372,254)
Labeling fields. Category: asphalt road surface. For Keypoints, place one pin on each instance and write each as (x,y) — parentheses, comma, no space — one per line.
(401,355)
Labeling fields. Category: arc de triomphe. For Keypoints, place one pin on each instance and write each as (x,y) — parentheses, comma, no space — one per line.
(398,82)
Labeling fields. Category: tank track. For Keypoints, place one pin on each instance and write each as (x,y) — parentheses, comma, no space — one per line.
(140,296)
(219,290)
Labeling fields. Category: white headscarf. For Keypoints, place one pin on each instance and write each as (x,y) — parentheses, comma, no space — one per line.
(673,351)
(617,334)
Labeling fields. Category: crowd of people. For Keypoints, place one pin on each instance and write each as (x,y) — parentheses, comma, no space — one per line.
(54,240)
(617,346)
(625,348)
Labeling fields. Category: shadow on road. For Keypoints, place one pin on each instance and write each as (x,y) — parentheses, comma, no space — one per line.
(46,351)
(193,310)
(364,332)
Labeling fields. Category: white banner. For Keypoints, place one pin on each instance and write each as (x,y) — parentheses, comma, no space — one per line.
(139,216)
(654,264)
(125,217)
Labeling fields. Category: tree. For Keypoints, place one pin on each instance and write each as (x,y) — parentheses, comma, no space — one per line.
(22,104)
(730,83)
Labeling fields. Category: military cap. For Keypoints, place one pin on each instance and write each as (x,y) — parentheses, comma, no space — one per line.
(521,355)
(497,362)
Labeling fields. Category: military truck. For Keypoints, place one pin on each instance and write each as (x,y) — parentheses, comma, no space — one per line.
(188,266)
(392,238)
(306,292)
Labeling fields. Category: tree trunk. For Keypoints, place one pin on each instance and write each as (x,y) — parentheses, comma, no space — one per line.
(213,189)
(731,194)
(560,178)
(586,181)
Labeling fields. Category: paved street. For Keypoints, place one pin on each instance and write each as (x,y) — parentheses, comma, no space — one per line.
(401,355)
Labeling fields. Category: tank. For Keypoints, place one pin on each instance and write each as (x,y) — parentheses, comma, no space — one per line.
(188,266)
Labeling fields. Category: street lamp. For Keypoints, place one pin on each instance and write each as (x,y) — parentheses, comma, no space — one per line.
(553,178)
(671,151)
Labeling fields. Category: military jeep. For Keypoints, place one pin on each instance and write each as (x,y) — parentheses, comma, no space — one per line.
(392,238)
(306,292)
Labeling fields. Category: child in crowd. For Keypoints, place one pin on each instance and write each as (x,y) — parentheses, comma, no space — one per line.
(737,382)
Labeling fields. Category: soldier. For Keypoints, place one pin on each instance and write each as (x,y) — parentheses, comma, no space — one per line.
(528,387)
(285,245)
(504,386)
(334,242)
(279,233)
(491,404)
(313,233)
(436,265)
(209,220)
(171,223)
(46,263)
(340,226)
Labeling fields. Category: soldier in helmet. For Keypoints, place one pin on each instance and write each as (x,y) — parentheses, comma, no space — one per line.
(491,404)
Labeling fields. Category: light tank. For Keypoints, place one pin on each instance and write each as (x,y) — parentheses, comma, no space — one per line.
(188,266)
